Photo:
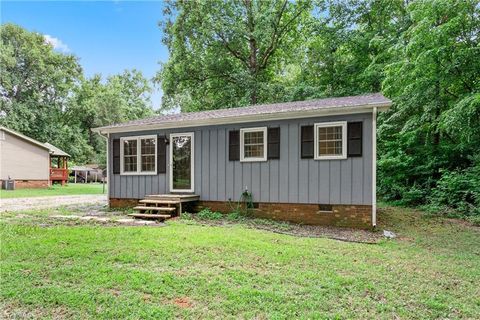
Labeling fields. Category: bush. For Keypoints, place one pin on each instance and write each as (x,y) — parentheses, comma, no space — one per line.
(458,191)
(207,214)
(235,216)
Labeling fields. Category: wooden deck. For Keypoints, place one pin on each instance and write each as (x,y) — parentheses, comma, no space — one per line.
(174,197)
(162,206)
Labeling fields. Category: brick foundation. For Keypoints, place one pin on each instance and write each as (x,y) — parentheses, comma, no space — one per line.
(23,184)
(122,203)
(352,216)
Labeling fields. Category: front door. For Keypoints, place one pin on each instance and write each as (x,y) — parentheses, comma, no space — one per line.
(181,162)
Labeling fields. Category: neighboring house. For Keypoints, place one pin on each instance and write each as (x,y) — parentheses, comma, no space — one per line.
(29,162)
(312,162)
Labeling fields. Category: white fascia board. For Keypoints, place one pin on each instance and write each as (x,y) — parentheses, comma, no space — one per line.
(248,118)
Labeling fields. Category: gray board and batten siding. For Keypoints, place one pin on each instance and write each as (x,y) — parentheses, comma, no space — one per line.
(289,179)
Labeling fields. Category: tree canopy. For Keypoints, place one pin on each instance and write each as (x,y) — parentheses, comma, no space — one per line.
(45,96)
(424,55)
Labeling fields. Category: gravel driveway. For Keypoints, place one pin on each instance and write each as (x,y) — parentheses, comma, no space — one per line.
(18,204)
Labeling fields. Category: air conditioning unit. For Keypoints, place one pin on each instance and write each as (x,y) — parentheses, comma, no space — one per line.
(8,184)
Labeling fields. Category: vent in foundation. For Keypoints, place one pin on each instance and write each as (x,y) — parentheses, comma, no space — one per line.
(325,207)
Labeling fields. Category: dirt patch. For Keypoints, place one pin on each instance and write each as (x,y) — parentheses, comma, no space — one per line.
(183,302)
(298,230)
(35,203)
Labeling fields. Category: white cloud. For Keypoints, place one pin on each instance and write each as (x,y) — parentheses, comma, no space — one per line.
(57,44)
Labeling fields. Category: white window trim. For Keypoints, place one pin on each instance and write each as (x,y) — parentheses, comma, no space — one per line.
(192,161)
(242,147)
(139,156)
(343,124)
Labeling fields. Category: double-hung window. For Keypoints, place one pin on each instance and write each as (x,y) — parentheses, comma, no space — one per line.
(138,155)
(330,140)
(253,144)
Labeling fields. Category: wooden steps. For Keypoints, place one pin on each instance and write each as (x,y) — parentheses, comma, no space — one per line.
(152,201)
(150,216)
(157,206)
(152,208)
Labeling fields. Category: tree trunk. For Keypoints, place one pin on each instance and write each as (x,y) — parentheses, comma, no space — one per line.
(252,45)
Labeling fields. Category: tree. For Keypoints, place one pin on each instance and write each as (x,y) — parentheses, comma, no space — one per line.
(435,82)
(35,83)
(224,54)
(120,98)
(44,95)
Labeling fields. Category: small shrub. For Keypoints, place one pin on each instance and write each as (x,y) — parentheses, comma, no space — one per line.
(475,220)
(235,216)
(186,216)
(207,214)
(458,191)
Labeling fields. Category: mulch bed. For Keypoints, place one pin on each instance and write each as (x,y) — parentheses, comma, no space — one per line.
(298,230)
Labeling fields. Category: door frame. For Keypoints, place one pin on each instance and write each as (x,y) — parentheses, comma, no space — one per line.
(192,161)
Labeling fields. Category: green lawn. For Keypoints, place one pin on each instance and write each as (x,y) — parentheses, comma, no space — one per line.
(187,270)
(56,190)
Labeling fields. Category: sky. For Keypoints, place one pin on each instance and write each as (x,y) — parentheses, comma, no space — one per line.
(107,36)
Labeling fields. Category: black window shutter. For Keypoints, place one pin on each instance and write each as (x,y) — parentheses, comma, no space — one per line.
(234,145)
(307,142)
(273,139)
(116,156)
(354,139)
(161,154)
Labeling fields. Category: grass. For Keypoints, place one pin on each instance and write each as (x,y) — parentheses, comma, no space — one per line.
(55,190)
(186,270)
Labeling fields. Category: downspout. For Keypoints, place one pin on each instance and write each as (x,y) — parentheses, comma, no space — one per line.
(107,137)
(374,167)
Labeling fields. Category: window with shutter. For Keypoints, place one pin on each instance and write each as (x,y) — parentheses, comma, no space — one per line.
(330,140)
(138,155)
(253,144)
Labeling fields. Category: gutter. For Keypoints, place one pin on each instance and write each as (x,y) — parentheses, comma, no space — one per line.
(107,138)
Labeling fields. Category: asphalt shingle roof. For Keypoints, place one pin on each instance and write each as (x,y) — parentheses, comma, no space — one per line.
(261,109)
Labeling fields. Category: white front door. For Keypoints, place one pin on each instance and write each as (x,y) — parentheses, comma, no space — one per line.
(181,162)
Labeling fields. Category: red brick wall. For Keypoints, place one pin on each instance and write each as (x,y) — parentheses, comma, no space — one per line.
(22,184)
(353,216)
(122,203)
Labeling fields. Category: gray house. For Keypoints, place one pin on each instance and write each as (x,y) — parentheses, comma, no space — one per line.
(312,162)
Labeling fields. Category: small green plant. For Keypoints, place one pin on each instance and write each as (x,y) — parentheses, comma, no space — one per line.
(186,216)
(475,220)
(235,216)
(208,214)
(244,206)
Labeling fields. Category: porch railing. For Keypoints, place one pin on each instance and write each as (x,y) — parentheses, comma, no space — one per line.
(58,174)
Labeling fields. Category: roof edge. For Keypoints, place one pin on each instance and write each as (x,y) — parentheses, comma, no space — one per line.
(24,137)
(365,108)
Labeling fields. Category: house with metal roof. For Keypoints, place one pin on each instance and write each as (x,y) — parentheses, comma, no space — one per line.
(28,163)
(311,162)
